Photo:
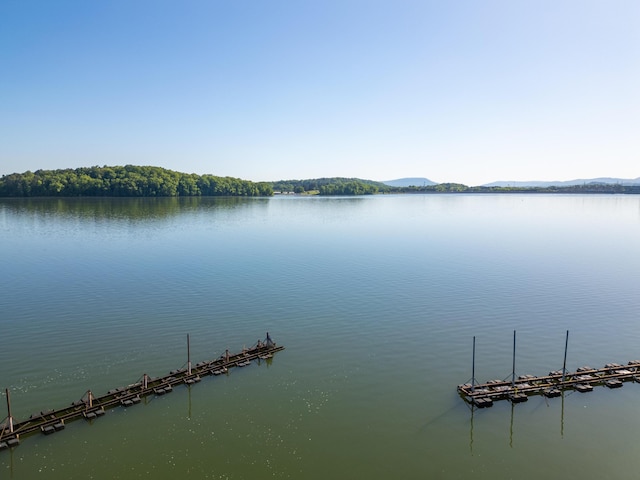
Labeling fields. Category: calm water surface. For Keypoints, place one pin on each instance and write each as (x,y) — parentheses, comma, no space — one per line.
(376,300)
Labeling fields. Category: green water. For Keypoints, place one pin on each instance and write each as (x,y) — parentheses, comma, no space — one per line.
(376,300)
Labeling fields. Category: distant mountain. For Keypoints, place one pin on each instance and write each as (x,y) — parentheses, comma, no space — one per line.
(409,182)
(568,183)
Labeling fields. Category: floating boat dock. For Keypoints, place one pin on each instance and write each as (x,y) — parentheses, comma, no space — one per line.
(519,389)
(91,407)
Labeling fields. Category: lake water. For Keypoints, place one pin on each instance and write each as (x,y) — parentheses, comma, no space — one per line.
(376,299)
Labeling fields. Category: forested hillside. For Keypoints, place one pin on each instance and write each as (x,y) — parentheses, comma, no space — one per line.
(127,181)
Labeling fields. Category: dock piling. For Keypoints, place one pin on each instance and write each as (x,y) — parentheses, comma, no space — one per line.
(473,366)
(10,418)
(564,363)
(513,368)
(188,355)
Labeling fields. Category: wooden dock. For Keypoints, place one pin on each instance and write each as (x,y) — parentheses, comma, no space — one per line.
(91,407)
(583,379)
(520,388)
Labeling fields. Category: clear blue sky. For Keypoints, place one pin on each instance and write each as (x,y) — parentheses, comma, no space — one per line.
(455,91)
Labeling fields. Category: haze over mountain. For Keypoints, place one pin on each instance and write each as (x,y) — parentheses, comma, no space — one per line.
(409,182)
(567,183)
(421,181)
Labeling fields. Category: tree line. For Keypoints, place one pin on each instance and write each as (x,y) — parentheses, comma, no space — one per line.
(332,186)
(147,181)
(356,186)
(126,181)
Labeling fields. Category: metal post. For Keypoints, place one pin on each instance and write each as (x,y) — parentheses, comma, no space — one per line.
(9,411)
(145,380)
(564,364)
(473,366)
(90,398)
(513,370)
(188,356)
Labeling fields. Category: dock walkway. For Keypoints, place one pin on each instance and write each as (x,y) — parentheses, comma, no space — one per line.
(91,407)
(552,385)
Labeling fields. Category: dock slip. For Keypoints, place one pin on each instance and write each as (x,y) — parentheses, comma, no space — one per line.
(518,389)
(91,407)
